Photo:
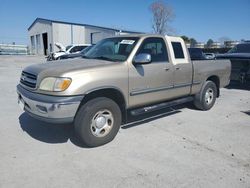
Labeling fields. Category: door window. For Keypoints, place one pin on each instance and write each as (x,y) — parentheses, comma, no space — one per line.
(156,47)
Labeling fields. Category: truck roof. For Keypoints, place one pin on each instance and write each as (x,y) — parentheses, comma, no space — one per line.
(139,35)
(171,38)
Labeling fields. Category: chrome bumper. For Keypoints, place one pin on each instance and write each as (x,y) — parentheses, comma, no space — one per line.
(53,109)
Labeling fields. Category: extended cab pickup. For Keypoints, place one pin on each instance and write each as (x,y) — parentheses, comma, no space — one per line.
(126,74)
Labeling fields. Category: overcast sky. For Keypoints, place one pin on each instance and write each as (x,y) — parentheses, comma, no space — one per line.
(200,19)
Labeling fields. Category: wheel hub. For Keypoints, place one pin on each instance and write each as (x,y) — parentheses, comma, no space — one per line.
(209,96)
(102,123)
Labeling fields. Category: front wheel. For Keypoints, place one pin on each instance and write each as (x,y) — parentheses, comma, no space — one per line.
(49,57)
(207,96)
(98,121)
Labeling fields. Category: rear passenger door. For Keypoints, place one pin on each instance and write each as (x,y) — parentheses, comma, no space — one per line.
(151,82)
(182,68)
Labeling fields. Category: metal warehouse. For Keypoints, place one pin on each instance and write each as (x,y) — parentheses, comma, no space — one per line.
(43,33)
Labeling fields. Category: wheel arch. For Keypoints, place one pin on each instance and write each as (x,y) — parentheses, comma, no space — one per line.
(216,80)
(112,93)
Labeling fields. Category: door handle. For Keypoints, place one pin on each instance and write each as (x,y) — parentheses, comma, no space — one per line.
(166,69)
(177,68)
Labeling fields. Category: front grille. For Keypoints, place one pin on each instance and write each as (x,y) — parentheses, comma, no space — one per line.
(28,79)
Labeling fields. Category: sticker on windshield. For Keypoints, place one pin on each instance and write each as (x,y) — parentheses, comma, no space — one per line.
(127,42)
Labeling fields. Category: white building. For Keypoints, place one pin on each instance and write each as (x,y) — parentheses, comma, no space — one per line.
(188,45)
(43,33)
(200,45)
(216,45)
(231,44)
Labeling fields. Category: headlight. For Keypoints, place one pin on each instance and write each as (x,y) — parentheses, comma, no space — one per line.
(55,84)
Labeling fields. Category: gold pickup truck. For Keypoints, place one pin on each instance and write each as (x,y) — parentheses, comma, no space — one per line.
(132,74)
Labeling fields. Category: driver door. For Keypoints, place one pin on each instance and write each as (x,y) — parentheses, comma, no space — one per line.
(153,82)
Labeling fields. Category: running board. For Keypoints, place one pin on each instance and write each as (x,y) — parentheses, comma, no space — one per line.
(160,106)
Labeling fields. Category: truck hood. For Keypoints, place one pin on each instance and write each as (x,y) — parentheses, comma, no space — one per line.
(60,46)
(57,68)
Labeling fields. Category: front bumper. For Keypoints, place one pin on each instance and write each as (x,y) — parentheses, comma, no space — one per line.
(52,109)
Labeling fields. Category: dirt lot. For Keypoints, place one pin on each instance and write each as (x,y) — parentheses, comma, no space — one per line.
(188,148)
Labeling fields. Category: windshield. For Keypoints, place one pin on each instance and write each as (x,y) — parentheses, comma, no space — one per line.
(68,47)
(240,48)
(112,49)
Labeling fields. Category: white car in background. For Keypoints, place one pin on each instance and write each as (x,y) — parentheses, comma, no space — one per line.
(73,48)
(209,55)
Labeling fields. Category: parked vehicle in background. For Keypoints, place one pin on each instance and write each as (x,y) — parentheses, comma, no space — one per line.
(209,55)
(240,60)
(196,54)
(73,48)
(75,55)
(133,74)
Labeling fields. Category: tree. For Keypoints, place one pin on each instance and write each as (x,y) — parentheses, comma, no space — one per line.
(185,38)
(163,14)
(193,42)
(209,43)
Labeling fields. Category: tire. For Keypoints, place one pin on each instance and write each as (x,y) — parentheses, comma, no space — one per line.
(206,98)
(49,58)
(98,121)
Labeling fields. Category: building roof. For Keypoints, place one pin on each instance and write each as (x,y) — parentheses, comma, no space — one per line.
(71,23)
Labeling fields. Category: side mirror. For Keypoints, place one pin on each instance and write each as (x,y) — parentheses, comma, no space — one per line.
(142,58)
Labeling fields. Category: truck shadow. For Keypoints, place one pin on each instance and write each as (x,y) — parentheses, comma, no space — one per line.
(58,133)
(237,85)
(246,112)
(48,133)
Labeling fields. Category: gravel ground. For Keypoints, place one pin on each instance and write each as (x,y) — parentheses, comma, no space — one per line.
(186,148)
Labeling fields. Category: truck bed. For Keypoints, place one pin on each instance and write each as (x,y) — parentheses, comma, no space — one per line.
(207,68)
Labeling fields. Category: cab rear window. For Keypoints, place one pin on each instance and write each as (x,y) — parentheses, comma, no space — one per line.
(178,51)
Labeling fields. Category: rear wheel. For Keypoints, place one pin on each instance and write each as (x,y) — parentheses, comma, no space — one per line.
(98,121)
(207,97)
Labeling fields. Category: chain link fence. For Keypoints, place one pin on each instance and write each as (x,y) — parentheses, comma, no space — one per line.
(10,49)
